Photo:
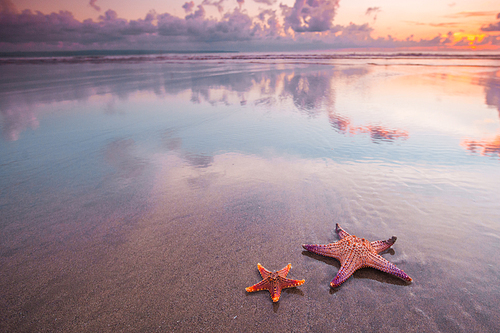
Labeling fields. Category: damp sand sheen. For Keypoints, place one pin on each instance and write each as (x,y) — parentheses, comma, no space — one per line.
(140,194)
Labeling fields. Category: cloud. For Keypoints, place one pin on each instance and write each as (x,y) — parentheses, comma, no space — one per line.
(415,23)
(198,14)
(373,11)
(93,5)
(62,27)
(6,6)
(234,26)
(188,6)
(272,25)
(266,2)
(445,24)
(441,24)
(308,25)
(169,25)
(492,26)
(471,14)
(310,15)
(216,4)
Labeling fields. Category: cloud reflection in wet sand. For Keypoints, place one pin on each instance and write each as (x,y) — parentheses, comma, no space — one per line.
(314,92)
(377,133)
(17,120)
(486,147)
(492,90)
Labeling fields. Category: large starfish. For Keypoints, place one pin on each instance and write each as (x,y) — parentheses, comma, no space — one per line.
(354,253)
(274,281)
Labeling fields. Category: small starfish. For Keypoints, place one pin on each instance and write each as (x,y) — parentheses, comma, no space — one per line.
(354,253)
(274,281)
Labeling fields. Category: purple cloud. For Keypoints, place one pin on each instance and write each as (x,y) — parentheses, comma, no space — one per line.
(289,28)
(272,25)
(217,4)
(188,7)
(93,5)
(266,2)
(199,14)
(62,27)
(492,26)
(310,15)
(234,26)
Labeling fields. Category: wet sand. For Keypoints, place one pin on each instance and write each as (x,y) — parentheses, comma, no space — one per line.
(166,237)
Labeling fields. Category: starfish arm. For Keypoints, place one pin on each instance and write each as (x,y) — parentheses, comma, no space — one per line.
(290,283)
(262,285)
(284,271)
(328,250)
(263,272)
(341,232)
(382,264)
(383,245)
(348,267)
(275,290)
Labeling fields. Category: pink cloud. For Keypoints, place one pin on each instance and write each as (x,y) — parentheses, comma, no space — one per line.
(266,2)
(288,28)
(6,6)
(216,4)
(93,5)
(310,15)
(373,11)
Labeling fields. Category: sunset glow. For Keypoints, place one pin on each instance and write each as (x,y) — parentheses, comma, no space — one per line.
(251,25)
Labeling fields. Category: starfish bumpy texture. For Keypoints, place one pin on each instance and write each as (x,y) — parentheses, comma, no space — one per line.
(354,253)
(274,281)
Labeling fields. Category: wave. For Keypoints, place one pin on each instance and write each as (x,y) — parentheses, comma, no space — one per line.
(134,56)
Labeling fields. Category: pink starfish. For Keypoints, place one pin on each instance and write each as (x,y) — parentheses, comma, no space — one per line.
(354,253)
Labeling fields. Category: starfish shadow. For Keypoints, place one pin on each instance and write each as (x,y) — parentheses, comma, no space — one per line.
(276,306)
(362,273)
(326,260)
(295,291)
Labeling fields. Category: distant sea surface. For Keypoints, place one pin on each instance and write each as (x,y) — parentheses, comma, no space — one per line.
(158,55)
(138,191)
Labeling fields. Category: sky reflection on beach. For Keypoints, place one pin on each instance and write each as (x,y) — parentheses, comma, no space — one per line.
(135,190)
(346,94)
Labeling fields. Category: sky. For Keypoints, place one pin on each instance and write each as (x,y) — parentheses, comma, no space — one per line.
(249,25)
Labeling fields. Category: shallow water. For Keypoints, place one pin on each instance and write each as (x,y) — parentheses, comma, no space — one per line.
(140,196)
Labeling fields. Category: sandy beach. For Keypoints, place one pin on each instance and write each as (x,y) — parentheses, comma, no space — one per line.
(140,196)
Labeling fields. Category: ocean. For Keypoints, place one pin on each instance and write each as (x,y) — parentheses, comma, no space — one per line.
(138,191)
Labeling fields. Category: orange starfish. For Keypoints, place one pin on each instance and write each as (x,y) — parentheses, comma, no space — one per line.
(274,281)
(354,253)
